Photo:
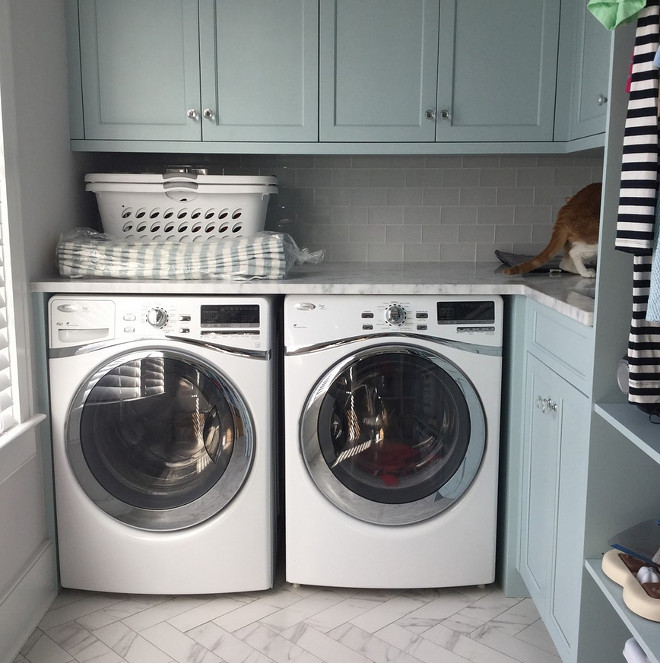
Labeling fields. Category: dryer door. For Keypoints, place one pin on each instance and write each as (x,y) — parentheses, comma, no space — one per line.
(159,439)
(394,434)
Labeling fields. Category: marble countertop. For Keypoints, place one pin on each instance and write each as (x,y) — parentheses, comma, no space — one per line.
(566,293)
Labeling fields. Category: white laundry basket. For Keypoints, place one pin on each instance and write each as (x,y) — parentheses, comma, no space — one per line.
(180,206)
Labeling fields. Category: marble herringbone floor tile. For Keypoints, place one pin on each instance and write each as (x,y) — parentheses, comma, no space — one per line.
(291,624)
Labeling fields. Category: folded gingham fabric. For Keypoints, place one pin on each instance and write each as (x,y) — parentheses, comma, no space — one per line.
(87,254)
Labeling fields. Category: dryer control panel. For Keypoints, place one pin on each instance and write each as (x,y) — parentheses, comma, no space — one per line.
(316,320)
(237,322)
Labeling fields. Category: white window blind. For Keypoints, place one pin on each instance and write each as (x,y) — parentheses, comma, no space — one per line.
(7,414)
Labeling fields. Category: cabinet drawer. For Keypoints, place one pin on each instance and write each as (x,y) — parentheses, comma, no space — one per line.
(563,344)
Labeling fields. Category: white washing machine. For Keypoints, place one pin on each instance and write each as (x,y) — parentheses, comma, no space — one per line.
(392,415)
(163,426)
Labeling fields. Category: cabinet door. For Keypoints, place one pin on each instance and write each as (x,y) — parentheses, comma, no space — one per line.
(539,480)
(259,63)
(140,69)
(564,602)
(497,70)
(555,457)
(378,64)
(589,107)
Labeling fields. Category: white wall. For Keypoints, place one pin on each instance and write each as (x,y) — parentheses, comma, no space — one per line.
(44,198)
(47,176)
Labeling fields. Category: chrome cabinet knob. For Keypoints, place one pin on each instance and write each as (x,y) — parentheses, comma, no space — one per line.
(602,99)
(430,114)
(208,114)
(445,114)
(192,113)
(546,404)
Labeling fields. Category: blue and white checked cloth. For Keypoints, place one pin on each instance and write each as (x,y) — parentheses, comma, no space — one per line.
(265,255)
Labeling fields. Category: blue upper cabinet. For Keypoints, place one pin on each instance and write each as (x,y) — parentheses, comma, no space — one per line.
(497,70)
(321,76)
(591,67)
(378,63)
(197,70)
(583,75)
(259,67)
(139,66)
(429,70)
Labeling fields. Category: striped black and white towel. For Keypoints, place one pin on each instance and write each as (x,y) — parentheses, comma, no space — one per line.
(637,205)
(85,254)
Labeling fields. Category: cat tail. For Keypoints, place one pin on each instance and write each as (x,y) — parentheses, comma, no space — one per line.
(555,245)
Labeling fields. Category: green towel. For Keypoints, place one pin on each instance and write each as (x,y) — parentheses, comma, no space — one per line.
(613,12)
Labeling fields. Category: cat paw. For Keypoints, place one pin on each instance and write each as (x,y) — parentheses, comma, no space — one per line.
(589,274)
(568,265)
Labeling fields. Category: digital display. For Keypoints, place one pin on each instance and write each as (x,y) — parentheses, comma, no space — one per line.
(229,315)
(474,312)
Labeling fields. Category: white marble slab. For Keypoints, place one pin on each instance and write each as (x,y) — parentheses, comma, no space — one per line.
(564,293)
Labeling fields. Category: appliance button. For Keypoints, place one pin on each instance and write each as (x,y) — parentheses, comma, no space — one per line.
(129,330)
(367,314)
(367,327)
(184,318)
(422,327)
(67,308)
(422,315)
(184,330)
(129,317)
(305,306)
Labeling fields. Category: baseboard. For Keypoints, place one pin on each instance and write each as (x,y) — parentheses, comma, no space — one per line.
(23,607)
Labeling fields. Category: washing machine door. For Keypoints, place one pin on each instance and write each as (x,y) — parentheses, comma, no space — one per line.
(159,439)
(393,434)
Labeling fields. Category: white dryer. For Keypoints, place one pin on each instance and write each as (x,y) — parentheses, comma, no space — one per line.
(392,415)
(163,427)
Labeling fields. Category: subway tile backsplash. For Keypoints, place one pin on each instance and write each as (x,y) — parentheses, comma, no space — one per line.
(416,208)
(409,209)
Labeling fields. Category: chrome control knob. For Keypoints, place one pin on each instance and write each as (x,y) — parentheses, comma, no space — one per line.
(157,317)
(395,314)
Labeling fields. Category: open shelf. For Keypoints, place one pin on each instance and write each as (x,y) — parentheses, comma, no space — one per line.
(646,632)
(633,424)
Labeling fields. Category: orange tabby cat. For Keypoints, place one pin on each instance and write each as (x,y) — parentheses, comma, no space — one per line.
(576,231)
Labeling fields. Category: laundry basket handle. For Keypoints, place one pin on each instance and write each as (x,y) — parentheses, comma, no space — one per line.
(180,186)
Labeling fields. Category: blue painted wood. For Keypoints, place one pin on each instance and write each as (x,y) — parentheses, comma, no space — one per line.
(140,69)
(497,70)
(555,461)
(511,446)
(573,460)
(539,483)
(272,147)
(591,66)
(378,64)
(259,69)
(76,122)
(565,345)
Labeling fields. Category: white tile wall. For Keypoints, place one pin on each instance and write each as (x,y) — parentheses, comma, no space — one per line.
(413,208)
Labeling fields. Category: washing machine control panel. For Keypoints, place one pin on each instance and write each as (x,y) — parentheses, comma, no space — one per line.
(235,322)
